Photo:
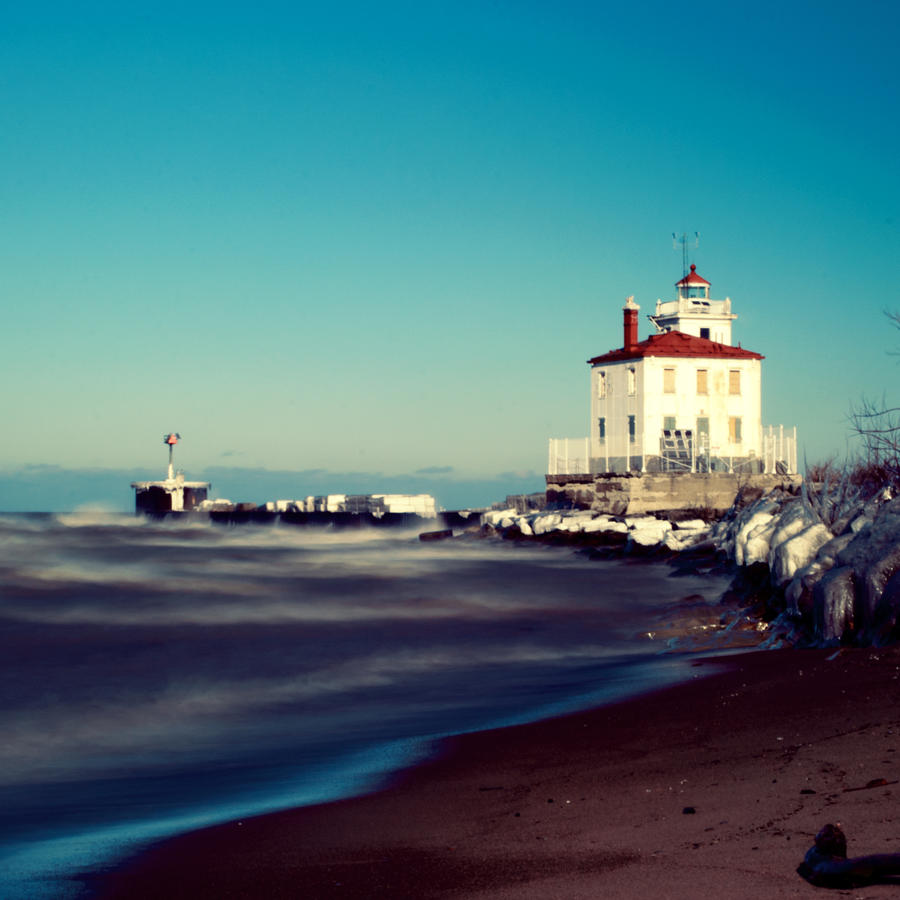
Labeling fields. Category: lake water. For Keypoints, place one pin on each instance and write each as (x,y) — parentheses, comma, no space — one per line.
(159,676)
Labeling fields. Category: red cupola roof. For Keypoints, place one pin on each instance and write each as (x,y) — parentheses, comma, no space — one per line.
(692,280)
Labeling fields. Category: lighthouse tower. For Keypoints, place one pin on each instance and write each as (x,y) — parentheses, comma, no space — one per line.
(692,312)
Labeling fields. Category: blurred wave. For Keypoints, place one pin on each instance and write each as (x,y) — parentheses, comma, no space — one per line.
(159,671)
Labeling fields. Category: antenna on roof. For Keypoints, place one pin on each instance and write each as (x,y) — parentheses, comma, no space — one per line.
(685,242)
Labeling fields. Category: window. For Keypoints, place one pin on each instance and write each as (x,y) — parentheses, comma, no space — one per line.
(668,381)
(631,430)
(601,426)
(632,381)
(702,381)
(704,333)
(734,429)
(669,423)
(601,384)
(734,381)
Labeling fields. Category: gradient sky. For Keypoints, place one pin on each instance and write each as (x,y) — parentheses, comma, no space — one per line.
(385,238)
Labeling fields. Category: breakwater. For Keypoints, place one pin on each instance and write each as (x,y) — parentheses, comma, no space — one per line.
(251,514)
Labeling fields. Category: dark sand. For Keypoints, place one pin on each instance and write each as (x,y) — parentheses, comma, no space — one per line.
(713,788)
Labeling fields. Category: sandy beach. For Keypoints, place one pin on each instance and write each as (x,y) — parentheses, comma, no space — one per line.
(712,788)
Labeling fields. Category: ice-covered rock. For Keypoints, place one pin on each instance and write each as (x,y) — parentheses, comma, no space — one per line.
(799,592)
(795,518)
(648,532)
(495,517)
(596,523)
(691,525)
(544,523)
(575,522)
(889,604)
(799,550)
(751,543)
(833,602)
(874,557)
(680,540)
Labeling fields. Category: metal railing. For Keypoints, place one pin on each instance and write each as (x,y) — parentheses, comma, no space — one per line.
(569,456)
(680,451)
(779,449)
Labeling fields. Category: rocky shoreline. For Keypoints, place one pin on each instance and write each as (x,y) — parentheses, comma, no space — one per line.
(811,568)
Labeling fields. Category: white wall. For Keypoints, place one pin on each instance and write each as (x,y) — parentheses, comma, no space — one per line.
(616,407)
(650,405)
(718,405)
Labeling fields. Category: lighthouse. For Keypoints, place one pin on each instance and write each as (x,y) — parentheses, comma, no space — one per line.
(682,397)
(681,409)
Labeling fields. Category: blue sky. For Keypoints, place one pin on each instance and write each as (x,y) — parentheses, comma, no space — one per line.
(374,240)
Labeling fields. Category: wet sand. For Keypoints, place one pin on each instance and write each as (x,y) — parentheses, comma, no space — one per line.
(712,788)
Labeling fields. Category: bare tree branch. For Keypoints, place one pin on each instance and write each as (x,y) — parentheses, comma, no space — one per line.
(878,427)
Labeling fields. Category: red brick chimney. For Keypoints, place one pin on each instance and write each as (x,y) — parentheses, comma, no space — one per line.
(630,310)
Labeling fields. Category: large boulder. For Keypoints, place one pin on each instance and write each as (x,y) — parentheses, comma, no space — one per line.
(682,539)
(788,556)
(795,518)
(753,542)
(799,592)
(647,533)
(833,604)
(874,557)
(497,517)
(887,613)
(545,523)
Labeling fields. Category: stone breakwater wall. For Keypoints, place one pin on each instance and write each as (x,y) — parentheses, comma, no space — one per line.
(824,580)
(637,493)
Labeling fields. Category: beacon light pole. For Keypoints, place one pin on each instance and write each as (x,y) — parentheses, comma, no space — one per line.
(171,439)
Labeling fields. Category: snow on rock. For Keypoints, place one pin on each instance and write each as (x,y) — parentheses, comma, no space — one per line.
(874,557)
(797,517)
(787,557)
(544,523)
(679,540)
(649,532)
(605,523)
(575,522)
(691,525)
(496,517)
(751,543)
(799,591)
(833,599)
(758,542)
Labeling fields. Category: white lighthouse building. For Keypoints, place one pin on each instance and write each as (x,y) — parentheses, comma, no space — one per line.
(683,399)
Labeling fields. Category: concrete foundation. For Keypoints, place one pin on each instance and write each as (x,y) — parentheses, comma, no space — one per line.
(616,494)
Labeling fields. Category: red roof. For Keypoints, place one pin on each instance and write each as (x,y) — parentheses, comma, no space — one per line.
(676,343)
(692,280)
